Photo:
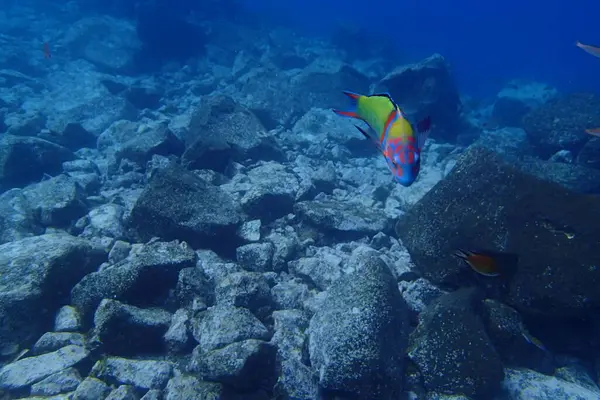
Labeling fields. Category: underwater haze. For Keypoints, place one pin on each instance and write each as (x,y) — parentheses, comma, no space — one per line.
(317,200)
(486,43)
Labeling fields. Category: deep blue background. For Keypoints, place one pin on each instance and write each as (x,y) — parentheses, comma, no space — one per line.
(486,42)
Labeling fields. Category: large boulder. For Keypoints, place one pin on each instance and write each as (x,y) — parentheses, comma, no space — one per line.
(561,123)
(37,276)
(426,88)
(516,99)
(487,203)
(178,204)
(220,131)
(357,339)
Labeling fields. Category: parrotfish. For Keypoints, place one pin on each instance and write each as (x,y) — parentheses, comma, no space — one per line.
(593,50)
(392,134)
(488,263)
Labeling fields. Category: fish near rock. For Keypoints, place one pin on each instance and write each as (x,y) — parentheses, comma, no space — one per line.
(486,202)
(398,141)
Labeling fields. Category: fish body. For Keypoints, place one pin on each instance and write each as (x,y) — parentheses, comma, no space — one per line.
(396,139)
(488,263)
(593,50)
(593,132)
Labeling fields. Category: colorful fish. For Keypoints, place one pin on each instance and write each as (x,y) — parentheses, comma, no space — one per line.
(593,50)
(593,132)
(391,133)
(488,263)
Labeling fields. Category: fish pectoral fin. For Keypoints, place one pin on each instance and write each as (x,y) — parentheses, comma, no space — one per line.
(368,137)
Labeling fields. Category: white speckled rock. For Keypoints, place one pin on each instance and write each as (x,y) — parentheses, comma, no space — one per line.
(523,384)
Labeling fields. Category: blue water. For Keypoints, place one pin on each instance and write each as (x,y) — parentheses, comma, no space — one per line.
(486,43)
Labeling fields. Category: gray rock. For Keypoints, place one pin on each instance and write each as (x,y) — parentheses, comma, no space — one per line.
(246,289)
(119,251)
(427,87)
(17,218)
(73,136)
(359,307)
(509,211)
(574,177)
(256,257)
(26,159)
(52,341)
(91,389)
(452,350)
(193,285)
(58,201)
(127,330)
(185,387)
(178,337)
(142,374)
(67,320)
(245,365)
(37,276)
(80,166)
(27,371)
(322,268)
(511,143)
(123,392)
(156,140)
(290,294)
(343,220)
(286,245)
(250,230)
(222,325)
(61,382)
(296,380)
(589,156)
(178,204)
(105,220)
(419,294)
(524,384)
(128,281)
(222,131)
(153,394)
(271,193)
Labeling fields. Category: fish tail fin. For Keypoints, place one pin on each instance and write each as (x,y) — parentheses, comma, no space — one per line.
(352,111)
(460,253)
(423,129)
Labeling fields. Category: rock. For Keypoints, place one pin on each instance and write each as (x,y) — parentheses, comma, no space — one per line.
(67,320)
(155,140)
(511,143)
(178,204)
(296,380)
(452,350)
(37,276)
(144,96)
(123,392)
(250,230)
(424,89)
(589,154)
(27,371)
(142,374)
(256,257)
(127,330)
(419,294)
(321,268)
(515,100)
(26,159)
(343,220)
(359,307)
(148,274)
(561,123)
(91,389)
(17,219)
(521,384)
(58,201)
(508,210)
(193,285)
(73,136)
(178,337)
(222,325)
(119,251)
(52,341)
(271,193)
(61,382)
(185,387)
(244,365)
(222,131)
(246,289)
(105,221)
(573,177)
(290,294)
(108,43)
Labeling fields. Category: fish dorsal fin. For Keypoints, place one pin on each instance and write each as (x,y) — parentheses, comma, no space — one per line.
(388,96)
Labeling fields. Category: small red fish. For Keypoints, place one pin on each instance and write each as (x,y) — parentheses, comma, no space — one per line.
(46,49)
(488,263)
(593,132)
(593,50)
